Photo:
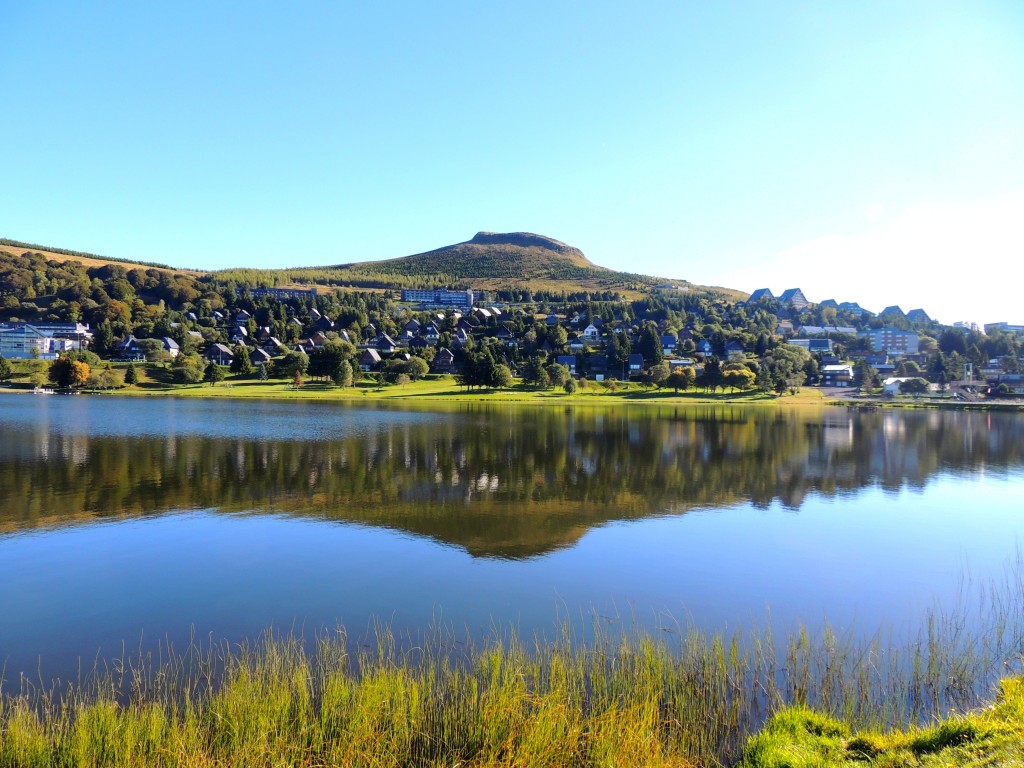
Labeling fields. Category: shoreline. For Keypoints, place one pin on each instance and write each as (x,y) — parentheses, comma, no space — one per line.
(427,392)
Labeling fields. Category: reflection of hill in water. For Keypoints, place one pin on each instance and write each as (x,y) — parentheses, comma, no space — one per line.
(504,483)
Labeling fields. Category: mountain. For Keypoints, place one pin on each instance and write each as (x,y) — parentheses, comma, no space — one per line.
(516,261)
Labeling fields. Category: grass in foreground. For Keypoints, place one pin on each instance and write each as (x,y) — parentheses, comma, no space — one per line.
(689,700)
(799,737)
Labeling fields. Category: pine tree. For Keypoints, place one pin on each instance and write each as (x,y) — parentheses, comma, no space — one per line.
(131,375)
(213,374)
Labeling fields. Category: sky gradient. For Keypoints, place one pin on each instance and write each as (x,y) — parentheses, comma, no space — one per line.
(869,152)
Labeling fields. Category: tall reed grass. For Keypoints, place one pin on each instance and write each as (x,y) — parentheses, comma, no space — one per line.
(675,698)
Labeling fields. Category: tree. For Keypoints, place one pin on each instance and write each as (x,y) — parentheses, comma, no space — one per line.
(534,373)
(292,363)
(570,386)
(105,379)
(153,350)
(649,344)
(131,375)
(558,374)
(681,379)
(241,363)
(68,372)
(343,376)
(297,379)
(738,378)
(5,369)
(213,373)
(657,375)
(915,386)
(103,343)
(189,369)
(501,377)
(712,378)
(261,372)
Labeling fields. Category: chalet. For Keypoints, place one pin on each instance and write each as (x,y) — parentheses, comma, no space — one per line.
(569,361)
(704,347)
(385,343)
(370,360)
(668,344)
(272,345)
(576,343)
(591,333)
(636,363)
(170,346)
(219,354)
(192,317)
(217,316)
(853,308)
(460,339)
(418,343)
(828,304)
(314,314)
(837,375)
(413,326)
(734,347)
(444,362)
(259,356)
(506,335)
(240,335)
(241,316)
(597,367)
(431,332)
(785,328)
(325,324)
(130,348)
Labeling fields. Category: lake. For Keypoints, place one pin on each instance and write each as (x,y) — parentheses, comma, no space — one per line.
(128,521)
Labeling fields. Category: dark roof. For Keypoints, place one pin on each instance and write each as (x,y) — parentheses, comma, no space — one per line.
(760,293)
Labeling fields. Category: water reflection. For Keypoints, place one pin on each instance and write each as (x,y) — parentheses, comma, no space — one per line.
(509,483)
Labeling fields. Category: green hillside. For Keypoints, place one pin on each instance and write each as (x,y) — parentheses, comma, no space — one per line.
(515,261)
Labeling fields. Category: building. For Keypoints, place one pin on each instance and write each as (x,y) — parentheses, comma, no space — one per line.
(837,375)
(918,316)
(439,297)
(760,293)
(794,297)
(78,334)
(1004,328)
(893,341)
(814,346)
(279,293)
(21,341)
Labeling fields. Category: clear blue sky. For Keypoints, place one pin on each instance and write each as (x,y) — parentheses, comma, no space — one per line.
(862,151)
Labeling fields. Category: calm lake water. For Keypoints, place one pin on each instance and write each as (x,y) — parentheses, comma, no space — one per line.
(128,521)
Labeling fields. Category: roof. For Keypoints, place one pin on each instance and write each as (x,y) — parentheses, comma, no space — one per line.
(760,293)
